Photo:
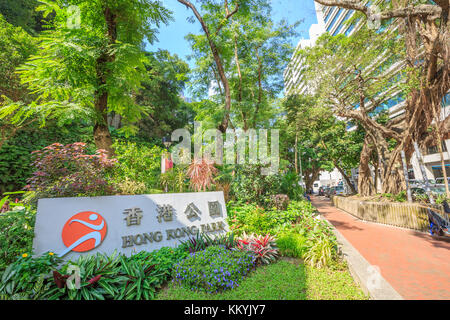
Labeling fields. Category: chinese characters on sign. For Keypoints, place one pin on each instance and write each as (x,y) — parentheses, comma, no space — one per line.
(214,209)
(165,212)
(192,212)
(134,216)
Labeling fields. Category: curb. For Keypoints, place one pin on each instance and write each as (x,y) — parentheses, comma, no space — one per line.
(363,272)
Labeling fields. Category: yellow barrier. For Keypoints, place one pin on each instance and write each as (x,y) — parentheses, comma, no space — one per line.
(405,215)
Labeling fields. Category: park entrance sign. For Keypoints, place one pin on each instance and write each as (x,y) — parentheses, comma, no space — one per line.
(70,227)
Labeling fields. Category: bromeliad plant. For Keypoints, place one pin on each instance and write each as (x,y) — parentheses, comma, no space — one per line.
(264,248)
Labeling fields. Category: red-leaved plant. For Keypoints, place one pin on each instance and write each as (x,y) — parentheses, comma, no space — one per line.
(201,174)
(69,171)
(264,248)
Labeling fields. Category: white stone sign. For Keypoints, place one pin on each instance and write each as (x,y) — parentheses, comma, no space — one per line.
(70,227)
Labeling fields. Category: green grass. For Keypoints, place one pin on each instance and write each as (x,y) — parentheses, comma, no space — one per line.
(283,280)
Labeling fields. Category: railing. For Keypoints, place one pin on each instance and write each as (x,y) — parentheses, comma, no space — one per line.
(405,215)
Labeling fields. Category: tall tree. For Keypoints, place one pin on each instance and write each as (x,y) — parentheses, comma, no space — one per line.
(321,139)
(253,51)
(22,13)
(16,46)
(93,68)
(212,27)
(367,77)
(162,93)
(424,28)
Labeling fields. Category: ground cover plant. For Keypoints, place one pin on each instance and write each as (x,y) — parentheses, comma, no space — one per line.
(101,276)
(16,231)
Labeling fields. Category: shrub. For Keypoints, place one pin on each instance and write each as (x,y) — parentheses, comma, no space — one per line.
(249,218)
(174,180)
(130,187)
(20,278)
(290,186)
(213,269)
(224,179)
(16,234)
(299,232)
(279,201)
(63,171)
(400,197)
(321,247)
(320,251)
(15,153)
(291,244)
(263,248)
(249,185)
(201,174)
(139,164)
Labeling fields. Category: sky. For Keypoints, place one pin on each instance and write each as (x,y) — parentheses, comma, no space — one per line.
(171,37)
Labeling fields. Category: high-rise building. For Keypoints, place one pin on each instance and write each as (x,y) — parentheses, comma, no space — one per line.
(333,20)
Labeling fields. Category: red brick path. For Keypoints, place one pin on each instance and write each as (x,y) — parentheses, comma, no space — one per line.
(416,265)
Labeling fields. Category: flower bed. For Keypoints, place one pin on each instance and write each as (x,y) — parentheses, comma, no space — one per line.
(281,280)
(213,269)
(201,264)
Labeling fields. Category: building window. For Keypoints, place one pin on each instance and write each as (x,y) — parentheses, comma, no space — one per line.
(446,100)
(438,173)
(328,15)
(334,19)
(434,149)
(349,13)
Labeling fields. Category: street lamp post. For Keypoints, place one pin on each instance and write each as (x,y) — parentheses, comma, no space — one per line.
(167,142)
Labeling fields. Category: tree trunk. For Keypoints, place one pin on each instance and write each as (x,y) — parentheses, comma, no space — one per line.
(311,175)
(346,178)
(365,181)
(217,59)
(102,136)
(296,152)
(425,31)
(441,153)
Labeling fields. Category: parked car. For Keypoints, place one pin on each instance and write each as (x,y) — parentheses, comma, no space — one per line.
(438,189)
(415,183)
(420,192)
(337,191)
(441,180)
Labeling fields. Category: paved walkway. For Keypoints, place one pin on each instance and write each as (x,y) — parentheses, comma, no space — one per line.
(415,265)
